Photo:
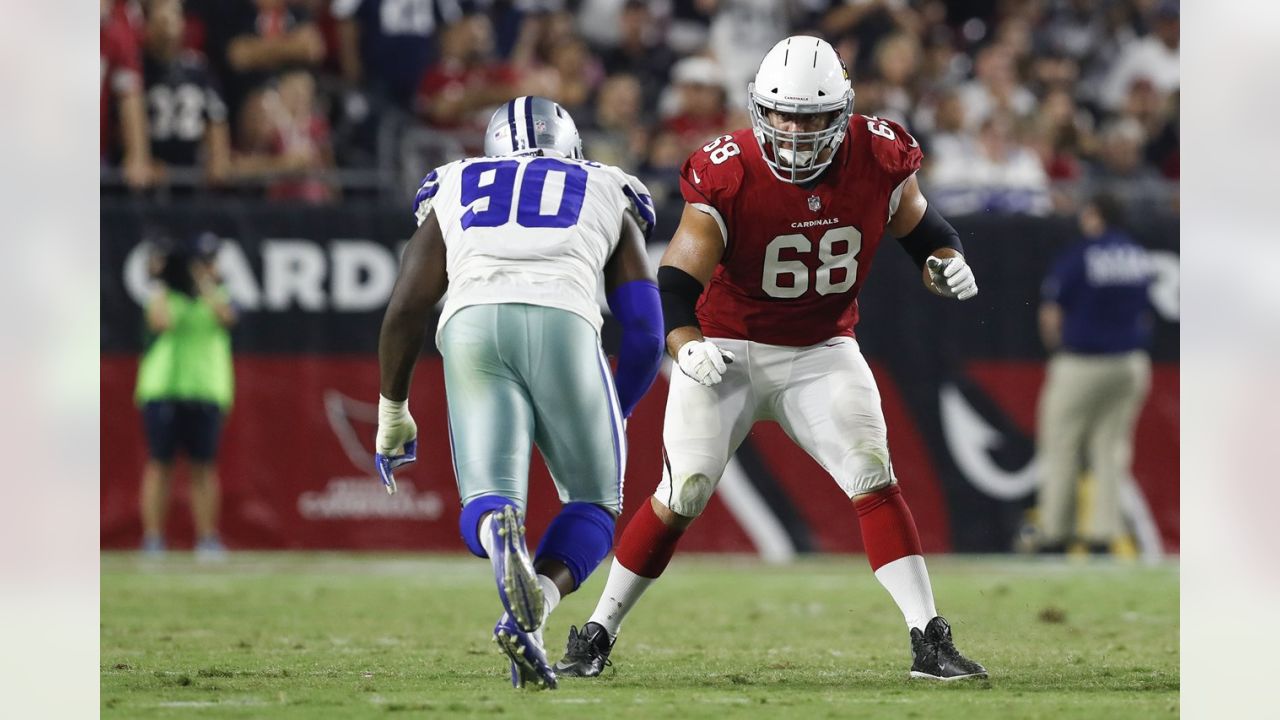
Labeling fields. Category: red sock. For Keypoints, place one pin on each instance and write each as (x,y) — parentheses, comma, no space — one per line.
(646,545)
(888,530)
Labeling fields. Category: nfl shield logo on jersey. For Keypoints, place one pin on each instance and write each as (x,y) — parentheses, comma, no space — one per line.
(814,203)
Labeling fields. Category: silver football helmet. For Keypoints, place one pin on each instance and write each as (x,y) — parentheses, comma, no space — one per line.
(532,123)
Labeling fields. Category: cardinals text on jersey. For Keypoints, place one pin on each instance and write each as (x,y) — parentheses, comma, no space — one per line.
(795,255)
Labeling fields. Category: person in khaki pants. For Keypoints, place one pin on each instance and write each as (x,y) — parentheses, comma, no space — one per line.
(1095,319)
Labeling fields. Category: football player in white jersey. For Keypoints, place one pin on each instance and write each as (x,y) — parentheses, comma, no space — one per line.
(519,238)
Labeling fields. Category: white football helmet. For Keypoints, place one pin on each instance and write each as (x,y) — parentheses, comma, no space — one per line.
(801,74)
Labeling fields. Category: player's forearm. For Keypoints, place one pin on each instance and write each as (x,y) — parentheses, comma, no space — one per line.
(422,282)
(637,307)
(680,292)
(401,338)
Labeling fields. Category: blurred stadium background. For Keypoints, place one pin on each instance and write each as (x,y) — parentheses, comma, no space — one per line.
(298,132)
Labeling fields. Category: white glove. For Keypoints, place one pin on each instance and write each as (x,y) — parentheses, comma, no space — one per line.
(952,277)
(397,440)
(703,361)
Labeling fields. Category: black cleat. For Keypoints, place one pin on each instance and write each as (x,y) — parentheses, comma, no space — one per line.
(587,652)
(935,657)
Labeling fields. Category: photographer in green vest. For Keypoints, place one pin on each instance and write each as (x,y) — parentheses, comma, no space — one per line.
(185,386)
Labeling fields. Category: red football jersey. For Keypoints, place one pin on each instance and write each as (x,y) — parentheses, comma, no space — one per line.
(796,256)
(120,65)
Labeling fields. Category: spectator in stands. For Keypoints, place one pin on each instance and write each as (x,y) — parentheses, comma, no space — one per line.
(617,134)
(185,387)
(897,59)
(386,45)
(121,96)
(941,65)
(187,118)
(467,82)
(867,21)
(641,52)
(1153,58)
(994,172)
(690,24)
(1061,133)
(1120,168)
(1038,60)
(1073,28)
(949,138)
(941,70)
(1053,72)
(577,74)
(662,165)
(869,91)
(699,109)
(1095,319)
(741,33)
(1013,32)
(1163,149)
(1148,106)
(555,60)
(299,136)
(252,41)
(995,87)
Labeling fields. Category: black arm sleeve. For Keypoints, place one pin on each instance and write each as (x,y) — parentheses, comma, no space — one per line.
(680,292)
(933,232)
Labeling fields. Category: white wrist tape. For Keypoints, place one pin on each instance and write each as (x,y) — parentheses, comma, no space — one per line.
(392,411)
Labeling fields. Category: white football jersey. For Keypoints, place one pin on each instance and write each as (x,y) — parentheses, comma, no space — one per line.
(530,229)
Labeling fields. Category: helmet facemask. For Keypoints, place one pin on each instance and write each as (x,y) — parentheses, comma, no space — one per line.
(792,164)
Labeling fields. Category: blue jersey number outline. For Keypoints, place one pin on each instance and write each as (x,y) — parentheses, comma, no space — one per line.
(501,189)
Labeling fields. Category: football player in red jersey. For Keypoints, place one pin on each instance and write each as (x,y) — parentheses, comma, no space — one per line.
(760,287)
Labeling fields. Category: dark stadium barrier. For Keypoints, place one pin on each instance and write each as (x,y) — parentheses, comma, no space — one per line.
(959,385)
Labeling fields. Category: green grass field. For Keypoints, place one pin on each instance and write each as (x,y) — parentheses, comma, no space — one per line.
(355,636)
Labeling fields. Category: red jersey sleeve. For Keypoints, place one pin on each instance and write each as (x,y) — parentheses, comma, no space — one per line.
(122,57)
(895,151)
(711,177)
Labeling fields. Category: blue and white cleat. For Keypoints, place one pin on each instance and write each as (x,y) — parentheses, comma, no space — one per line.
(529,666)
(518,586)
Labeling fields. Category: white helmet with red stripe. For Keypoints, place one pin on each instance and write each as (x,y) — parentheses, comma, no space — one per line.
(803,75)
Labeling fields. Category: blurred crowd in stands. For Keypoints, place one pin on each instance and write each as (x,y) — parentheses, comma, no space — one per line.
(1021,105)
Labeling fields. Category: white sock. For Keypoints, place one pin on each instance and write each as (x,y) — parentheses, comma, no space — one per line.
(621,592)
(907,580)
(486,534)
(550,595)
